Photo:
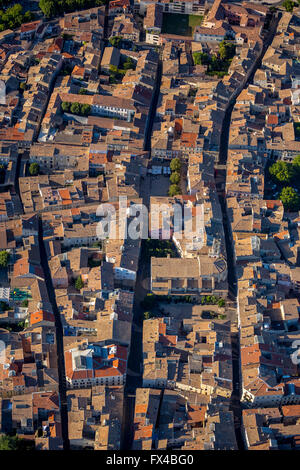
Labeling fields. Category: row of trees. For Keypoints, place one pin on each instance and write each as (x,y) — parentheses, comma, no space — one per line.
(217,63)
(151,301)
(76,108)
(52,8)
(13,17)
(283,172)
(175,167)
(34,169)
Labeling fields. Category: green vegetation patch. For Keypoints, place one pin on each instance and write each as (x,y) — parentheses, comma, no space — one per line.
(14,16)
(182,25)
(217,64)
(76,108)
(297,130)
(52,8)
(159,249)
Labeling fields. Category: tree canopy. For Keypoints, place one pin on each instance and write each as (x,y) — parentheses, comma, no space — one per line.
(116,41)
(289,5)
(282,171)
(175,177)
(4,258)
(175,165)
(173,190)
(296,163)
(34,169)
(15,443)
(76,108)
(65,106)
(13,17)
(56,7)
(79,283)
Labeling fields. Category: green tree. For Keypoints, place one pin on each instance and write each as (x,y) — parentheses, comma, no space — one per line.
(197,58)
(201,58)
(174,190)
(75,108)
(116,41)
(24,303)
(85,109)
(113,68)
(128,64)
(289,198)
(147,315)
(175,178)
(12,17)
(282,171)
(221,303)
(82,91)
(4,306)
(29,16)
(2,173)
(34,169)
(296,163)
(65,106)
(149,301)
(175,165)
(79,283)
(226,50)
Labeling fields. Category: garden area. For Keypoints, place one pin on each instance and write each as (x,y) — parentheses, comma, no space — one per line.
(15,327)
(182,25)
(284,183)
(217,64)
(116,74)
(297,130)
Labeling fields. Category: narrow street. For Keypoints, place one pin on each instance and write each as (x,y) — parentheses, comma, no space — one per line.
(236,406)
